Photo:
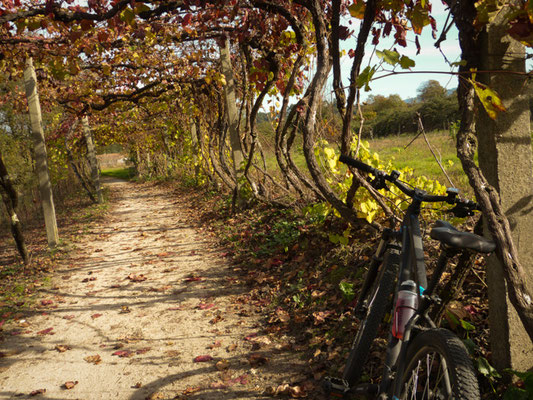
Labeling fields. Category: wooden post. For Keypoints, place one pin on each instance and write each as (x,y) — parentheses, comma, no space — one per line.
(41,164)
(506,161)
(231,108)
(91,157)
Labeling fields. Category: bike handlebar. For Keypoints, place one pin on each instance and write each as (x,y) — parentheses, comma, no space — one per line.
(462,207)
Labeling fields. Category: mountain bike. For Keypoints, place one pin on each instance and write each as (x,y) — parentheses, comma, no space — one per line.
(422,361)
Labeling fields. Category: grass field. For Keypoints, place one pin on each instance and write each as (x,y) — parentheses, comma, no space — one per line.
(119,173)
(418,156)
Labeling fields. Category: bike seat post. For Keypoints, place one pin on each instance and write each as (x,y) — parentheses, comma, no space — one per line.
(446,253)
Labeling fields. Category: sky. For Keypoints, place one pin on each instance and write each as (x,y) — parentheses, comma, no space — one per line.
(429,59)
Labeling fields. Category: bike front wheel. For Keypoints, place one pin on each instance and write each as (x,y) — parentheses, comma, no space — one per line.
(378,299)
(438,367)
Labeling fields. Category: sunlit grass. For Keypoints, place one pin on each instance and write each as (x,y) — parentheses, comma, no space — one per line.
(119,173)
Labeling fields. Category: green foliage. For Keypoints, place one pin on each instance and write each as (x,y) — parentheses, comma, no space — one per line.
(525,391)
(391,115)
(365,205)
(347,290)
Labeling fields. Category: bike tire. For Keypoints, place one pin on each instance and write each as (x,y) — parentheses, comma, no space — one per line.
(458,380)
(368,329)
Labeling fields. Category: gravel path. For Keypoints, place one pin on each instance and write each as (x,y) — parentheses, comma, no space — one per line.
(145,308)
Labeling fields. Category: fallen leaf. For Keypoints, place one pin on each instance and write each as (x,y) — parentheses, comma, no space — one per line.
(222,365)
(143,350)
(194,279)
(242,379)
(191,390)
(38,392)
(116,286)
(123,353)
(250,336)
(69,384)
(205,306)
(68,317)
(94,316)
(47,331)
(124,310)
(231,347)
(297,392)
(256,359)
(218,385)
(283,315)
(137,278)
(96,359)
(137,385)
(46,302)
(62,348)
(215,344)
(202,358)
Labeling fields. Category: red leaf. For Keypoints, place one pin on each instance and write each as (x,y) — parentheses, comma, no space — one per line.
(186,20)
(144,350)
(94,316)
(47,331)
(46,302)
(123,353)
(203,358)
(205,306)
(68,317)
(37,392)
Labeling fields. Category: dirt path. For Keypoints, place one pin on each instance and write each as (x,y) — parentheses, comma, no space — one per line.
(133,308)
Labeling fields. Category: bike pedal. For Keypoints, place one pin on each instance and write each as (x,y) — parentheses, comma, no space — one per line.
(336,387)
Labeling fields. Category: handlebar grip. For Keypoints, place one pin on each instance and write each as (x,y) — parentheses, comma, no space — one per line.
(357,164)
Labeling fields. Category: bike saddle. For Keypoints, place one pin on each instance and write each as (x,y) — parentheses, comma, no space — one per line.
(446,233)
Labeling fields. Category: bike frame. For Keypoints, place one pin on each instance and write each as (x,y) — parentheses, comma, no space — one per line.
(408,240)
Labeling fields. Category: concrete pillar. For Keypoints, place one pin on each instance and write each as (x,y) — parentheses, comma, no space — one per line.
(41,164)
(506,160)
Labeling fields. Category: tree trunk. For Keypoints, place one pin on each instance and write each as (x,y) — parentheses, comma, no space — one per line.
(10,198)
(232,115)
(78,174)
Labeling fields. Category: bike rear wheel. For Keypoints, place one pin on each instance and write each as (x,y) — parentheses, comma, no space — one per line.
(378,299)
(438,367)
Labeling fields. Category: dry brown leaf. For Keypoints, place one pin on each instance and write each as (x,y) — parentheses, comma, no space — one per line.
(256,359)
(96,359)
(62,347)
(69,384)
(222,365)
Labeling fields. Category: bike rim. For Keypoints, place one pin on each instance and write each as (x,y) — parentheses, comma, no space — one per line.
(429,378)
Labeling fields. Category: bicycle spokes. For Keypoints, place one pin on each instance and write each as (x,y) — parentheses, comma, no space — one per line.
(429,379)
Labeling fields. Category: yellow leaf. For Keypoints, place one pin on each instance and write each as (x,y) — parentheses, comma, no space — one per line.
(489,98)
(357,9)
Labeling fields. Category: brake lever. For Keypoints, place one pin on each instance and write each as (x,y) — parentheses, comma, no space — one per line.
(464,209)
(378,182)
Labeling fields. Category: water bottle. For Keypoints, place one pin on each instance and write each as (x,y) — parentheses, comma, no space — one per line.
(406,305)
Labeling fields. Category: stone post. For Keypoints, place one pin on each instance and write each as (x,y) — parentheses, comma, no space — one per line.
(506,160)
